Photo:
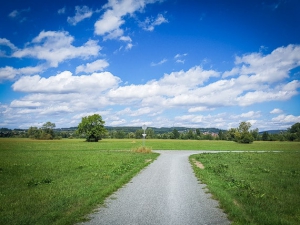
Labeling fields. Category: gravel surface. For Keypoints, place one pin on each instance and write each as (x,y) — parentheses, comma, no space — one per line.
(166,192)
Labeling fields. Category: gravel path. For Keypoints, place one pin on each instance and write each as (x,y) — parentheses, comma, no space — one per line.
(166,192)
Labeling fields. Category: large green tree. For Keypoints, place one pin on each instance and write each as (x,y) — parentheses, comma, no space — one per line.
(47,131)
(294,132)
(92,127)
(242,134)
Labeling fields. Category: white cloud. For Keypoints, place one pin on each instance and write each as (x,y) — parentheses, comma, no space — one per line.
(150,23)
(269,68)
(62,10)
(125,38)
(24,104)
(56,47)
(276,111)
(159,63)
(200,109)
(118,122)
(98,65)
(180,55)
(172,86)
(286,119)
(13,14)
(194,92)
(129,46)
(113,18)
(82,13)
(234,71)
(5,42)
(250,115)
(9,73)
(279,93)
(150,111)
(18,14)
(180,61)
(179,58)
(65,82)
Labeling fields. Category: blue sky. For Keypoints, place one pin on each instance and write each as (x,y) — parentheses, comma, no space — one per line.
(163,63)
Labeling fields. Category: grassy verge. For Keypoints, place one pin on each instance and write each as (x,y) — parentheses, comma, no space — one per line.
(254,188)
(59,182)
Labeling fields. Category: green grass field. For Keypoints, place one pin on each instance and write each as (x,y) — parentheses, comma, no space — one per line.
(254,188)
(155,144)
(61,181)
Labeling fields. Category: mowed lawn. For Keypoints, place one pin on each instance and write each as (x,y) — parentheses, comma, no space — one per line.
(61,181)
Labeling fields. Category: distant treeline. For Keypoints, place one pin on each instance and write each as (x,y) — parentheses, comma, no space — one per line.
(291,134)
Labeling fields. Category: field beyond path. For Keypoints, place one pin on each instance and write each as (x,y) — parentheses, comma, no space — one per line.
(167,192)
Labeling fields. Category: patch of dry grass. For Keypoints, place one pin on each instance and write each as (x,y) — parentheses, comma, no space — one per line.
(142,149)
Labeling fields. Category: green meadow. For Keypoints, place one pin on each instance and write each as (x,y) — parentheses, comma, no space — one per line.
(62,181)
(254,188)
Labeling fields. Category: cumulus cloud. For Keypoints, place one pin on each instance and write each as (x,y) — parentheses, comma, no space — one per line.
(276,111)
(286,119)
(171,85)
(9,73)
(56,47)
(196,93)
(82,13)
(98,65)
(269,68)
(65,82)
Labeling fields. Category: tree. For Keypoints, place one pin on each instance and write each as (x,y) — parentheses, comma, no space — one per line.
(243,134)
(139,134)
(92,127)
(120,134)
(47,131)
(294,132)
(190,135)
(231,134)
(33,132)
(255,134)
(265,136)
(176,134)
(150,133)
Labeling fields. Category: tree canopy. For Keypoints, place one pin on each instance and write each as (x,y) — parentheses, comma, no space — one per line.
(44,133)
(92,127)
(242,133)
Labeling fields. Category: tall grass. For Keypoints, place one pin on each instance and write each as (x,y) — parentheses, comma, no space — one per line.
(254,188)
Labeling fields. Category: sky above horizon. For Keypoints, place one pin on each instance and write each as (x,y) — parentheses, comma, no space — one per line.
(163,63)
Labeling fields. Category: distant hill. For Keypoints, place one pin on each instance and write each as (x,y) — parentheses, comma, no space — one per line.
(132,129)
(273,131)
(163,129)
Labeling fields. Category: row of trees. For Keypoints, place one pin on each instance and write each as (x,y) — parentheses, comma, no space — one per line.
(92,128)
